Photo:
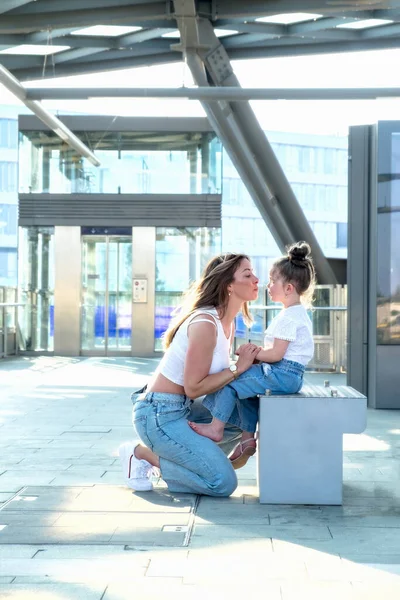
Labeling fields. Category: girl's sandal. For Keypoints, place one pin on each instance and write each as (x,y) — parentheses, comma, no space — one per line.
(247,448)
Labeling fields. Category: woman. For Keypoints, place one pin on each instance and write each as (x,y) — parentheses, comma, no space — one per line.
(196,362)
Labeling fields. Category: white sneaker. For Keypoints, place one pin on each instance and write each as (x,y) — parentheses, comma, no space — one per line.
(137,472)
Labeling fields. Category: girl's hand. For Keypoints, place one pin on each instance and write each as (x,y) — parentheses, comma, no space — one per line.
(248,353)
(244,346)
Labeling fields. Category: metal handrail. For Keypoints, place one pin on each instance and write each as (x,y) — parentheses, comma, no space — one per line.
(270,307)
(5,304)
(330,345)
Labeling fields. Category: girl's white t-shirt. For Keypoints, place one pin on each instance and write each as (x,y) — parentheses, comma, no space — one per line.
(293,325)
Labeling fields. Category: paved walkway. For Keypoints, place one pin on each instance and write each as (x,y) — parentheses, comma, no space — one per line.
(69,528)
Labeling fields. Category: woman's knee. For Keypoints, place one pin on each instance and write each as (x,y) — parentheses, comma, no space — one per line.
(226,483)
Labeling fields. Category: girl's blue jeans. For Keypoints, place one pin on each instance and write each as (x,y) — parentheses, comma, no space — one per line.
(237,403)
(189,462)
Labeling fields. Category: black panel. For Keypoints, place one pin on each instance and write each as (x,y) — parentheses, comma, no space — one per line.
(120,210)
(106,230)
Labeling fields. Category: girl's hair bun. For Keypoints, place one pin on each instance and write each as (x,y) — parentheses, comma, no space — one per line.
(299,252)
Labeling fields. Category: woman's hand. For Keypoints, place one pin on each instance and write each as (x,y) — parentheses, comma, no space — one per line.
(247,354)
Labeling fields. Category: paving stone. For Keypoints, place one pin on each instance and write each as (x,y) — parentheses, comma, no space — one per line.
(326,590)
(385,575)
(247,566)
(238,531)
(372,489)
(48,466)
(82,551)
(301,551)
(151,588)
(217,591)
(127,521)
(102,521)
(112,477)
(90,429)
(24,519)
(76,570)
(17,551)
(11,489)
(381,539)
(148,536)
(4,496)
(320,518)
(370,558)
(13,534)
(69,445)
(51,591)
(229,545)
(230,513)
(34,579)
(368,591)
(72,478)
(23,478)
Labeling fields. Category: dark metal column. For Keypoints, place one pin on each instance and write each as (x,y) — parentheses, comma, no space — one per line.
(360,140)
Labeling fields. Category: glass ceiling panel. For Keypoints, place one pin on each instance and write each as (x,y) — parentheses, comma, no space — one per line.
(41,50)
(106,30)
(218,33)
(289,18)
(364,24)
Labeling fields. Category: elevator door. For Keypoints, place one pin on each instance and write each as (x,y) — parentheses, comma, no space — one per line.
(106,315)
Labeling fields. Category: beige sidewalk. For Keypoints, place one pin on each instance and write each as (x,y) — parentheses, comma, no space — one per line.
(69,528)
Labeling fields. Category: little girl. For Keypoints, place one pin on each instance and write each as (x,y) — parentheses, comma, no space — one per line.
(288,347)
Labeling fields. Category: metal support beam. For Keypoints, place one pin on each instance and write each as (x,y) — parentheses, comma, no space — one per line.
(230,93)
(245,142)
(7,5)
(219,67)
(115,15)
(14,86)
(243,161)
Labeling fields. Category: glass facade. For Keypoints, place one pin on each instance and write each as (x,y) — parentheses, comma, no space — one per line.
(316,168)
(131,163)
(181,255)
(388,234)
(36,288)
(161,163)
(8,201)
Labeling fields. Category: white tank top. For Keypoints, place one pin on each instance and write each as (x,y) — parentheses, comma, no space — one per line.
(173,362)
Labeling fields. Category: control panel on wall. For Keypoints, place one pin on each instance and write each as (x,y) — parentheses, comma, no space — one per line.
(140,290)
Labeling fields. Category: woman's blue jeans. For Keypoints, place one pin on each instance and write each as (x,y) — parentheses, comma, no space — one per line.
(237,403)
(189,462)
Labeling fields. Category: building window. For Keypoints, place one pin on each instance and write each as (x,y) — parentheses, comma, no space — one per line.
(8,267)
(8,219)
(341,235)
(8,176)
(8,133)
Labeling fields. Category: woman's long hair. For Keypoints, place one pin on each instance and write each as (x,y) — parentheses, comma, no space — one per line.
(210,291)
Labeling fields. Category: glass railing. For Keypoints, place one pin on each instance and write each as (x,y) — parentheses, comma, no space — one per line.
(131,163)
(9,329)
(329,317)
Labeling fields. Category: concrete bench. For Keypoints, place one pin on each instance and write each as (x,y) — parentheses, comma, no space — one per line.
(300,447)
